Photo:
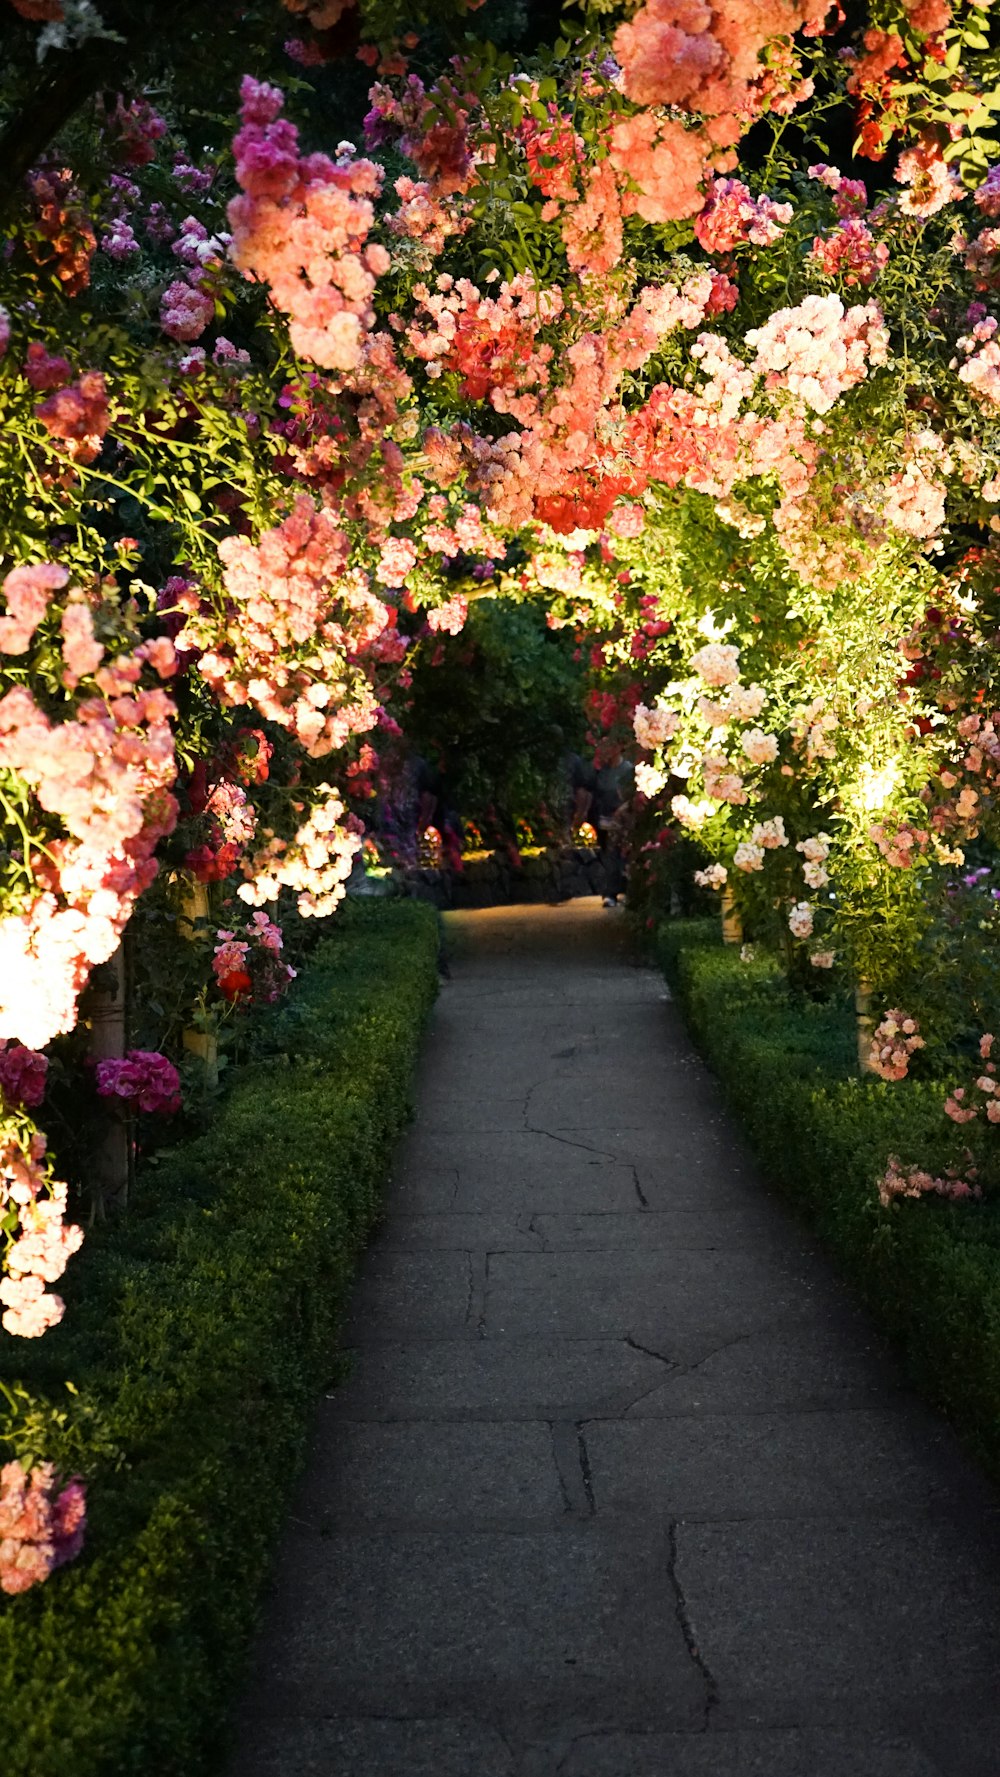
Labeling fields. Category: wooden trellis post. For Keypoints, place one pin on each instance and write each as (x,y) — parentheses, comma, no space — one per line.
(195,912)
(105,1012)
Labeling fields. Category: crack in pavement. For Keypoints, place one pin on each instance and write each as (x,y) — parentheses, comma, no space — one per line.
(647,1350)
(585,1470)
(640,1193)
(567,1141)
(688,1629)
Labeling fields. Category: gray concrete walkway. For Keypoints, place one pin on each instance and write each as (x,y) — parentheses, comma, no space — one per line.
(622,1485)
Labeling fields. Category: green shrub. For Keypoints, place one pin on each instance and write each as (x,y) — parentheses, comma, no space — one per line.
(199,1328)
(928,1270)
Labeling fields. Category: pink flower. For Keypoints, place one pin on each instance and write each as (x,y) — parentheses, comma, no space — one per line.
(185,311)
(26,591)
(143,1079)
(22,1075)
(397,557)
(449,617)
(930,181)
(41,1526)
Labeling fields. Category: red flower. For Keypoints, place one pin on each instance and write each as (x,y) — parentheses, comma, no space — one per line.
(235,984)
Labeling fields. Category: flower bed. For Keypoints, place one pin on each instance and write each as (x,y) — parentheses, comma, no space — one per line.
(928,1270)
(198,1330)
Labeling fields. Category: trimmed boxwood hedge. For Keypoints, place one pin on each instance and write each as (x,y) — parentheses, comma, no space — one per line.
(201,1326)
(929,1271)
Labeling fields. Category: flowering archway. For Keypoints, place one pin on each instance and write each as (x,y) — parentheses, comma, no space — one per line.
(591,319)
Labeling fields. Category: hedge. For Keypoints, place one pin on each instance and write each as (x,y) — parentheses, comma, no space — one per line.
(928,1270)
(199,1328)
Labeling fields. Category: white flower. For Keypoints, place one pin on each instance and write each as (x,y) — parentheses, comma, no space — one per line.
(815,875)
(800,920)
(749,857)
(649,781)
(823,959)
(760,748)
(691,814)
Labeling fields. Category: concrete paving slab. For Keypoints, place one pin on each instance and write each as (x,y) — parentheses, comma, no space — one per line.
(667,1230)
(309,1746)
(463,1231)
(496,1379)
(424,1474)
(574,1623)
(421,1295)
(684,1303)
(802,1620)
(831,1361)
(865,1461)
(778,1752)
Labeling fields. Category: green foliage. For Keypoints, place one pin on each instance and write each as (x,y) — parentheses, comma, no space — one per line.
(501,707)
(928,1270)
(199,1329)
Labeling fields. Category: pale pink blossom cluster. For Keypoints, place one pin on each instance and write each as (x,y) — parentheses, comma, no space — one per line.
(912,1181)
(732,217)
(929,183)
(81,651)
(42,1524)
(654,726)
(963,1105)
(749,856)
(760,748)
(703,57)
(823,959)
(142,1080)
(818,349)
(26,591)
(233,813)
(397,559)
(900,843)
(315,864)
(722,782)
(103,779)
(800,920)
(895,1039)
(714,877)
(815,852)
(743,703)
(295,627)
(981,370)
(39,1243)
(770,833)
(301,226)
(813,727)
(449,618)
(717,663)
(423,217)
(914,499)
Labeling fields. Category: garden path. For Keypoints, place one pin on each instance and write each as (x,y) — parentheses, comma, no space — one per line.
(622,1484)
